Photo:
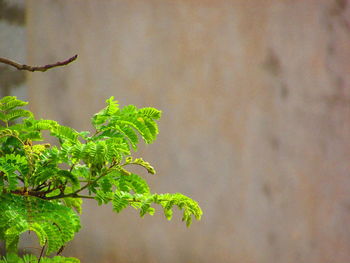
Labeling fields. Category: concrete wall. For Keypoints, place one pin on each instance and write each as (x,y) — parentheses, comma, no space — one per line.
(256,123)
(13,46)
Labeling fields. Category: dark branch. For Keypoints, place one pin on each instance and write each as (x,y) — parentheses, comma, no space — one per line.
(75,194)
(37,68)
(42,251)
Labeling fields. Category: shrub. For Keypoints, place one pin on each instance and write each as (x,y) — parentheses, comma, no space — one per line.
(42,185)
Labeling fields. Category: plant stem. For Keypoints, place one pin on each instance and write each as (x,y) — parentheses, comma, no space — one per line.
(42,252)
(85,196)
(75,194)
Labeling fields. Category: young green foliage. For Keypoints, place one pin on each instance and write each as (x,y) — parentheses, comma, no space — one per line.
(37,194)
(13,258)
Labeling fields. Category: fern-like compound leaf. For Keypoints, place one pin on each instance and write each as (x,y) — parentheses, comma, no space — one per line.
(141,162)
(102,116)
(143,203)
(190,207)
(65,133)
(128,133)
(13,258)
(69,177)
(134,183)
(151,113)
(12,166)
(120,201)
(10,102)
(104,197)
(15,114)
(39,125)
(53,223)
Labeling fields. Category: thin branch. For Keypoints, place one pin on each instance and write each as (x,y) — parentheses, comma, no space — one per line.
(72,167)
(37,68)
(60,250)
(75,193)
(42,251)
(84,196)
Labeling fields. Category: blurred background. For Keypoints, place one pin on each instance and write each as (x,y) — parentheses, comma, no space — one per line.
(256,118)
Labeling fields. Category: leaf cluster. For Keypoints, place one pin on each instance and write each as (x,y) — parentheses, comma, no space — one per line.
(14,258)
(41,184)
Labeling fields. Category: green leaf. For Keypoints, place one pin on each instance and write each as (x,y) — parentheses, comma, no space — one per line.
(190,207)
(39,125)
(10,102)
(69,177)
(65,133)
(141,162)
(120,201)
(102,116)
(129,134)
(152,127)
(58,223)
(40,232)
(9,164)
(75,203)
(15,114)
(134,183)
(103,197)
(13,258)
(146,209)
(151,113)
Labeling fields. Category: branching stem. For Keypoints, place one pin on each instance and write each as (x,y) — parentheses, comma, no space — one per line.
(75,193)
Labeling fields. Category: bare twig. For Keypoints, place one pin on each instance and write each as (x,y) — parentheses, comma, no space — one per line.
(37,68)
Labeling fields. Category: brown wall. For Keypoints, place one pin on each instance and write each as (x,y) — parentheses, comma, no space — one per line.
(13,46)
(256,123)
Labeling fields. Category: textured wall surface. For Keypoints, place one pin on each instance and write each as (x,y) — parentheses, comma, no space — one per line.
(12,46)
(256,123)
